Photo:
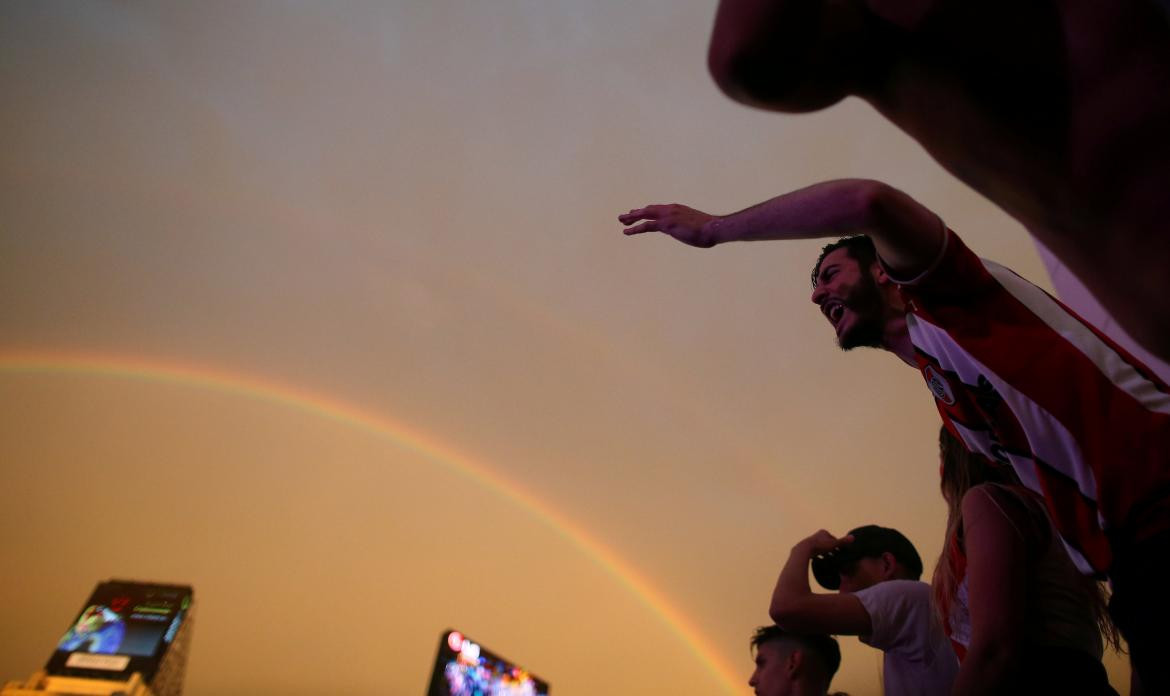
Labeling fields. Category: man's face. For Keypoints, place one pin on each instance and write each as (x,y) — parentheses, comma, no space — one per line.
(850,299)
(771,675)
(860,574)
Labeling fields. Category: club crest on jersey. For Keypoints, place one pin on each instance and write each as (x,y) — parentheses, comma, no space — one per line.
(938,385)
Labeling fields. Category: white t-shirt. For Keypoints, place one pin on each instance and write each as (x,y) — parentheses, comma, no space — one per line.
(919,659)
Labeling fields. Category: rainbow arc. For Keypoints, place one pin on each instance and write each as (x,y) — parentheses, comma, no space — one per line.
(319,405)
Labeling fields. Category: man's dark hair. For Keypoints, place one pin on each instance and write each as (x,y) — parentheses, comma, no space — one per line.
(825,648)
(859,247)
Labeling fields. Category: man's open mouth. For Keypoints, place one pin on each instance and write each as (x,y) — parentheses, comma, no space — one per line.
(833,310)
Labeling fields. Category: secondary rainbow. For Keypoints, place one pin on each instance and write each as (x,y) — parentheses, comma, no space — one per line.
(290,396)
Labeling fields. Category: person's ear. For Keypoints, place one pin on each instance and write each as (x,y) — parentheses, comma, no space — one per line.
(878,272)
(795,664)
(889,566)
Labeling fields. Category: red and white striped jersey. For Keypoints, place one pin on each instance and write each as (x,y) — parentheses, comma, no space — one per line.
(1020,378)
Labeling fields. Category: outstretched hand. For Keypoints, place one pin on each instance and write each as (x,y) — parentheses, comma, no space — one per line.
(687,225)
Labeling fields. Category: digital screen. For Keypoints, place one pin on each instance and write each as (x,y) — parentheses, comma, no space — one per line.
(123,625)
(464,668)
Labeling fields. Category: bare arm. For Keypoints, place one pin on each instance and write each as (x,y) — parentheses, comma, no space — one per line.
(996,568)
(907,235)
(795,607)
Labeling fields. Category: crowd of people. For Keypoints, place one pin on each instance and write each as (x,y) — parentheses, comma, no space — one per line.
(1055,441)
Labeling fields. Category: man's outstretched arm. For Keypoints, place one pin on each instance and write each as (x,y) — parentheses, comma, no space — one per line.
(795,607)
(907,235)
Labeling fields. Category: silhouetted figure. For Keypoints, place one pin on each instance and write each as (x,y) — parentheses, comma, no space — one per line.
(880,599)
(1014,375)
(1059,112)
(1022,618)
(789,664)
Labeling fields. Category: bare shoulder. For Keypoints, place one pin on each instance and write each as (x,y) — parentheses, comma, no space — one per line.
(988,497)
(1006,512)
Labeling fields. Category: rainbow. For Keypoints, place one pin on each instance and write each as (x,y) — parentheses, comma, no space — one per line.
(319,405)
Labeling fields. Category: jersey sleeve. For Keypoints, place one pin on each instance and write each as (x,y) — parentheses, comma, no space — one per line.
(956,273)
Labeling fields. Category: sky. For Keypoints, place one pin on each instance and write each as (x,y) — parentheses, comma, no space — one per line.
(323,308)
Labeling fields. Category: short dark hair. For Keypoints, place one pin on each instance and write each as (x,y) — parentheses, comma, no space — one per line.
(825,648)
(859,247)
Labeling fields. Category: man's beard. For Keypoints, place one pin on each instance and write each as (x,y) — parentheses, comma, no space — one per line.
(868,306)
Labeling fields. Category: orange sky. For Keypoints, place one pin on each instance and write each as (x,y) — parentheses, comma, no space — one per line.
(255,255)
